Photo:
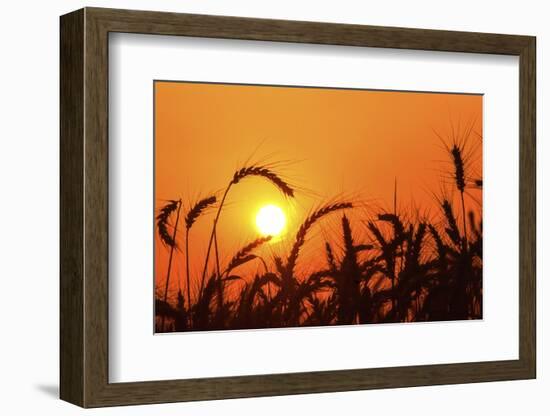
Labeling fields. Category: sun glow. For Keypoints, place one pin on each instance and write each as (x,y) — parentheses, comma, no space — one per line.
(270,220)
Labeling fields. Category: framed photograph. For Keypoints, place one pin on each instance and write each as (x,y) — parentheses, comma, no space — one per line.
(255,207)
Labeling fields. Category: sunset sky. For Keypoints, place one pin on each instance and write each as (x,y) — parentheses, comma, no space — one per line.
(330,144)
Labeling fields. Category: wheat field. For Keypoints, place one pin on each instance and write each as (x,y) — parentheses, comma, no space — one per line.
(393,266)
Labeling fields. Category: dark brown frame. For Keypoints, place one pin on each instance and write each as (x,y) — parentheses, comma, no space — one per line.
(84,209)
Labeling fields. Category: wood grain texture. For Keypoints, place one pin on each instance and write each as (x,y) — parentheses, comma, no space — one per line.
(96,219)
(71,100)
(527,207)
(84,207)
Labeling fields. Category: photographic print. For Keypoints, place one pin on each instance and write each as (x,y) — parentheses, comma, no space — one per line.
(292,206)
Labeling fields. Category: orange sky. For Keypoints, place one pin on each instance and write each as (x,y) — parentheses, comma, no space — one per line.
(346,144)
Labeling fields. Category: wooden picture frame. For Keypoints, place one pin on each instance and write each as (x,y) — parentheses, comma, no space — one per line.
(84,207)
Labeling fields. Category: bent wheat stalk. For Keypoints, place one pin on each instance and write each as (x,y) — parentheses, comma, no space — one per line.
(259,171)
(162,224)
(304,228)
(244,255)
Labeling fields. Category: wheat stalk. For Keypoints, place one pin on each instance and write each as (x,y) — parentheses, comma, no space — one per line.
(304,228)
(265,172)
(166,238)
(460,180)
(452,229)
(162,222)
(458,162)
(198,209)
(192,215)
(348,238)
(244,254)
(239,175)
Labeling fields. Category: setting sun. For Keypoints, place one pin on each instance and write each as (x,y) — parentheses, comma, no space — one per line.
(270,220)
